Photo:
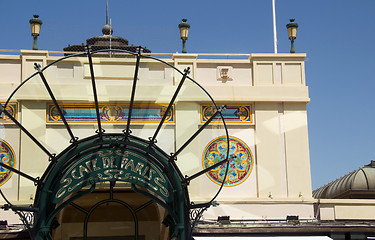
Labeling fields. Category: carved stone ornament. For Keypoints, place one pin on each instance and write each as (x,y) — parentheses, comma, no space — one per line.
(224,73)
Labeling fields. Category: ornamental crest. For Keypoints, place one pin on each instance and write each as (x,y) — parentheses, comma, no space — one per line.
(240,166)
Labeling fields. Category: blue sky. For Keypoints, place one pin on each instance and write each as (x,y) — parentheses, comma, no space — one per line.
(337,36)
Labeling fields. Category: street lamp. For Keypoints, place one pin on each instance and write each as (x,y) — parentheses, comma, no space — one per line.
(292,32)
(35,24)
(184,30)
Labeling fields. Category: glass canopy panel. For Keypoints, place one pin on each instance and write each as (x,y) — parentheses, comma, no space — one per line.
(77,97)
(35,148)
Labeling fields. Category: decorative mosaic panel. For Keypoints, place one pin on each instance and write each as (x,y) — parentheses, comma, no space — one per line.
(232,114)
(8,158)
(12,109)
(239,168)
(110,113)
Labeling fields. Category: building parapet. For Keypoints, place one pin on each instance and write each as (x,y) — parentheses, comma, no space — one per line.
(346,209)
(248,77)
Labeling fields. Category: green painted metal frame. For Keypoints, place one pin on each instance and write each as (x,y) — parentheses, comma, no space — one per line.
(48,210)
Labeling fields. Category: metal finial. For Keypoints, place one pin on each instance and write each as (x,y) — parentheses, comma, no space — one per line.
(107,30)
(106,22)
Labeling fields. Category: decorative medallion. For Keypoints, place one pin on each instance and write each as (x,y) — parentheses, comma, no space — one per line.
(110,113)
(6,157)
(232,113)
(240,166)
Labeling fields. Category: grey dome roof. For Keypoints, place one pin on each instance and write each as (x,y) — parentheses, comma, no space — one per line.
(107,41)
(357,184)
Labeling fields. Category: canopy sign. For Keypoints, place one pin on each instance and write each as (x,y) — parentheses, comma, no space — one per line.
(112,165)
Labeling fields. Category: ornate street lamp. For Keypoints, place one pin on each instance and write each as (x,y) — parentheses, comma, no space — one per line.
(292,32)
(184,30)
(35,24)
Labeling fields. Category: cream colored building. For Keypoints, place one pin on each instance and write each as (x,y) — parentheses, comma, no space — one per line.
(272,87)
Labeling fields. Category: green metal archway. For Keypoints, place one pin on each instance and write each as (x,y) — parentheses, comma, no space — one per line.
(112,157)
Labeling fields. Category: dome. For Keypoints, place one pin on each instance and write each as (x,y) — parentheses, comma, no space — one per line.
(359,184)
(107,41)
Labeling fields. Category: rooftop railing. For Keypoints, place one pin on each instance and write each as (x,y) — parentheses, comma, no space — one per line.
(159,55)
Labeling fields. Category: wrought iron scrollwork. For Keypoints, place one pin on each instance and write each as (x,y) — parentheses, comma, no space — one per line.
(27,218)
(196,211)
(195,216)
(26,214)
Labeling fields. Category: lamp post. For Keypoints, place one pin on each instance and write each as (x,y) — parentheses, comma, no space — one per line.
(184,30)
(35,24)
(292,32)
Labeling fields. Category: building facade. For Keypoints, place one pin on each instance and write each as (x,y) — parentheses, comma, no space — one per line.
(266,190)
